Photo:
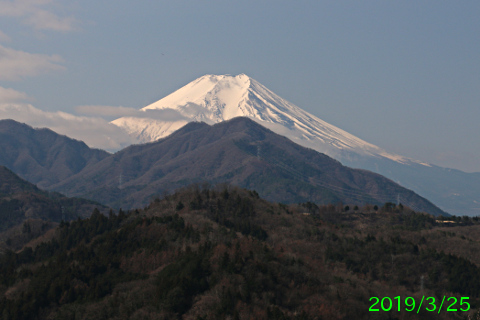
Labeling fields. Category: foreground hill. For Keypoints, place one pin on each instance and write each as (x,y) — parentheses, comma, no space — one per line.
(224,253)
(240,152)
(42,156)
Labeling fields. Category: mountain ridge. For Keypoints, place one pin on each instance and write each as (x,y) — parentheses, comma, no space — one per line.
(238,151)
(42,156)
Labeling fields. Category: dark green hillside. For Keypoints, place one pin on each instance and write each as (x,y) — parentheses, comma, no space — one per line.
(225,253)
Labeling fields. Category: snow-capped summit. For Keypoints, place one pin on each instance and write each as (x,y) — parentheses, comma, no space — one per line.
(219,98)
(216,98)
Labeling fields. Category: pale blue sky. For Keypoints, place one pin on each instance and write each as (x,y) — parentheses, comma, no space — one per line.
(404,75)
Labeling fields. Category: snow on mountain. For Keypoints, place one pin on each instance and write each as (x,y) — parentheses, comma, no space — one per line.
(216,98)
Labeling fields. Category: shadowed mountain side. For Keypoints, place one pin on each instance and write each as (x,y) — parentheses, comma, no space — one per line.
(10,183)
(21,200)
(240,152)
(42,156)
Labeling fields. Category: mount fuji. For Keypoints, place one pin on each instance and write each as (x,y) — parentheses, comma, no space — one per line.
(217,98)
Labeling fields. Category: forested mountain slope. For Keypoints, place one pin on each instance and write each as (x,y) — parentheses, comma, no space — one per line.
(222,252)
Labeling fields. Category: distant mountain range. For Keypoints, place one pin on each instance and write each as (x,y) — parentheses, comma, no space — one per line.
(238,151)
(217,98)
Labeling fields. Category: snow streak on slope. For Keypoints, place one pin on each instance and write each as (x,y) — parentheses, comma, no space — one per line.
(215,98)
(147,130)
